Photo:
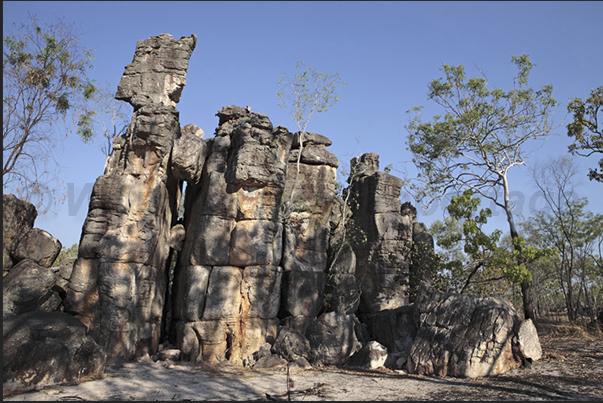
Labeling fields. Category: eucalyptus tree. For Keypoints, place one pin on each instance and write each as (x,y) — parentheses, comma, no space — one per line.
(474,260)
(585,128)
(481,136)
(566,225)
(45,76)
(307,93)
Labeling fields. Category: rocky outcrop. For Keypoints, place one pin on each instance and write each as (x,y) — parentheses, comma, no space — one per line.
(20,239)
(383,257)
(41,346)
(464,336)
(227,282)
(47,348)
(267,266)
(29,287)
(119,280)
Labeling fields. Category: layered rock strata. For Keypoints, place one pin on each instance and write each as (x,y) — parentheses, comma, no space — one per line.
(227,282)
(119,279)
(383,254)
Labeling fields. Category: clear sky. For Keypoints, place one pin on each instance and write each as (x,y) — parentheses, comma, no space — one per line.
(387,52)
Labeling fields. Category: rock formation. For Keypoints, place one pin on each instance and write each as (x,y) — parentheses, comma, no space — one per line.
(463,336)
(41,345)
(21,239)
(383,258)
(268,265)
(119,279)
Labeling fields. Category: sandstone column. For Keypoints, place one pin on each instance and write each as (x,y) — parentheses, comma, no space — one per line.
(118,283)
(228,278)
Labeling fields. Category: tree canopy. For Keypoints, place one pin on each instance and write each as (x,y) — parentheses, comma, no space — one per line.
(585,128)
(481,136)
(307,93)
(45,76)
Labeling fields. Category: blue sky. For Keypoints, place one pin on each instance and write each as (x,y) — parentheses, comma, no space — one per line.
(387,52)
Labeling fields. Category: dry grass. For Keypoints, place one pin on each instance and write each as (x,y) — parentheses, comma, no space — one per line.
(564,329)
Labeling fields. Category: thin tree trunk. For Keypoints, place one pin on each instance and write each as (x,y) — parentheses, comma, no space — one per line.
(526,285)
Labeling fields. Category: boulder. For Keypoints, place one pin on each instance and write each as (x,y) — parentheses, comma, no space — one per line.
(27,287)
(528,342)
(332,338)
(18,217)
(47,348)
(465,336)
(291,344)
(39,246)
(371,356)
(189,154)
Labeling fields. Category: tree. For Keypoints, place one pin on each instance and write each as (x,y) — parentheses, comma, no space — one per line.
(484,260)
(308,92)
(44,77)
(479,139)
(108,120)
(565,225)
(65,252)
(586,130)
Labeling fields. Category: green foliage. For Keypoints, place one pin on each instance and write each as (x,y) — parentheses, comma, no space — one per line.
(481,133)
(44,81)
(585,128)
(483,258)
(66,253)
(308,92)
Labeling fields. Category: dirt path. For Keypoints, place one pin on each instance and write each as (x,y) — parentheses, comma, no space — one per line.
(571,369)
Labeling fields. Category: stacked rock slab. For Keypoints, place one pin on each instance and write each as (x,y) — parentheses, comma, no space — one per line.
(382,261)
(118,282)
(311,179)
(227,283)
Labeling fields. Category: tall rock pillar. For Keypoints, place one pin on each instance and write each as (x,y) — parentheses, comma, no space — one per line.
(228,278)
(119,278)
(382,265)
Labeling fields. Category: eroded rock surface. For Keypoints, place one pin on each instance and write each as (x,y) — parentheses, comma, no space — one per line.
(264,273)
(383,258)
(119,280)
(47,348)
(467,336)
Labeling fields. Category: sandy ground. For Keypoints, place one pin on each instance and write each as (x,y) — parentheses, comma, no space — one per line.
(569,370)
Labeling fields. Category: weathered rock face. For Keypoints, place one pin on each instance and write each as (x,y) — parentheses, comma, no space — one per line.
(18,217)
(306,229)
(46,348)
(119,280)
(383,259)
(39,246)
(228,279)
(467,336)
(264,274)
(157,74)
(29,287)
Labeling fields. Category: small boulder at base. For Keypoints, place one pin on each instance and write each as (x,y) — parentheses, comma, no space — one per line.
(371,356)
(47,348)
